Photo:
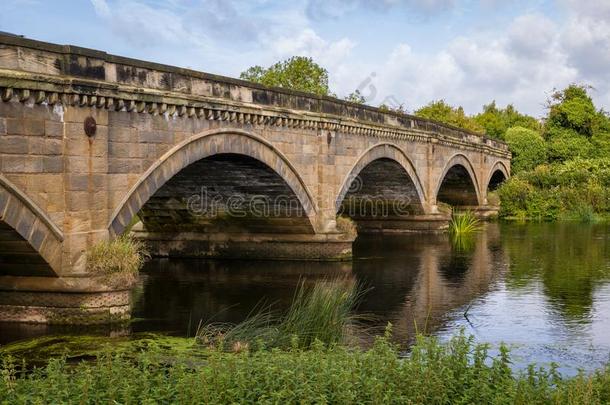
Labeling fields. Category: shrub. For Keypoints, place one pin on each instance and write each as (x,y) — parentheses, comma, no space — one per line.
(514,195)
(119,259)
(527,146)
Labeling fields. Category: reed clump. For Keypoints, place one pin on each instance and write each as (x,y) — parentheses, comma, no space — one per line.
(120,259)
(464,223)
(321,312)
(347,226)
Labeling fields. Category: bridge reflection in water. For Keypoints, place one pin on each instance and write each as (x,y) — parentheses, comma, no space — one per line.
(409,280)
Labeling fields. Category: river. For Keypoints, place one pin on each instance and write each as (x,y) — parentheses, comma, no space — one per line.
(543,289)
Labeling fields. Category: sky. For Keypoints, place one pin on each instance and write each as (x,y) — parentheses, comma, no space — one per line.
(410,52)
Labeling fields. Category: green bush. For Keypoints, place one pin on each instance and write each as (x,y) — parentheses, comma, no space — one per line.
(528,148)
(459,372)
(559,190)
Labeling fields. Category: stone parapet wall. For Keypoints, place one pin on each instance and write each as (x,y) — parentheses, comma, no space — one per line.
(49,73)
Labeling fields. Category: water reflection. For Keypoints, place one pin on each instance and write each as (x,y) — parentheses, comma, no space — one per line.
(542,288)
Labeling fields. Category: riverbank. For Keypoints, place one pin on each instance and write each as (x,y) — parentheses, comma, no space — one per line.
(176,370)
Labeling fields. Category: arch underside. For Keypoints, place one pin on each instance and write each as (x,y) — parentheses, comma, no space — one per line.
(458,188)
(497,178)
(18,257)
(228,193)
(382,198)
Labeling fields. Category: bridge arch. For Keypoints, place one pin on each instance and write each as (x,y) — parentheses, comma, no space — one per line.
(205,145)
(458,184)
(378,153)
(498,174)
(31,240)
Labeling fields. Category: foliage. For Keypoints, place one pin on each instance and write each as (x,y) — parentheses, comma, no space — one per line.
(463,223)
(441,111)
(559,190)
(355,97)
(318,313)
(528,148)
(496,121)
(399,109)
(347,226)
(297,73)
(459,371)
(120,258)
(574,128)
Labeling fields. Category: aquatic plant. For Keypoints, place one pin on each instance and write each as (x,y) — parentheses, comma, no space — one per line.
(321,312)
(458,371)
(120,259)
(464,223)
(347,226)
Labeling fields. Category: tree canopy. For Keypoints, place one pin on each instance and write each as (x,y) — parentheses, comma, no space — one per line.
(496,121)
(297,73)
(441,111)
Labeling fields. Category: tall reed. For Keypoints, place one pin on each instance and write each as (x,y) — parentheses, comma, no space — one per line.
(464,223)
(321,312)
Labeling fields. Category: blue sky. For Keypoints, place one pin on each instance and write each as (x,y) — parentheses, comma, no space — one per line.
(467,52)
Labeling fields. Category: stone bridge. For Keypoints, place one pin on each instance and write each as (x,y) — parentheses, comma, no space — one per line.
(211,166)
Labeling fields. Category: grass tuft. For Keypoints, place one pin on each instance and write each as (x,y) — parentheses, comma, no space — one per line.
(464,223)
(347,226)
(120,258)
(318,313)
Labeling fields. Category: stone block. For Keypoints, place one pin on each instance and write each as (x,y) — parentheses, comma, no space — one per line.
(78,201)
(2,126)
(54,129)
(13,164)
(77,182)
(33,127)
(14,144)
(14,126)
(53,164)
(121,134)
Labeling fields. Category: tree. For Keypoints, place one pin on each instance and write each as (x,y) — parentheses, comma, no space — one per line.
(496,121)
(441,111)
(574,127)
(355,97)
(297,73)
(528,148)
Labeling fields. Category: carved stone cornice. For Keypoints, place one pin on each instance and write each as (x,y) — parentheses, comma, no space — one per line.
(36,88)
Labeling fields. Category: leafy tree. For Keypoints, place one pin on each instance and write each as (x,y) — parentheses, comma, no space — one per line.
(496,121)
(528,148)
(355,97)
(297,73)
(574,127)
(401,109)
(441,111)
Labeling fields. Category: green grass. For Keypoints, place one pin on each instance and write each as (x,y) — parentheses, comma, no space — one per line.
(458,372)
(464,223)
(120,258)
(320,312)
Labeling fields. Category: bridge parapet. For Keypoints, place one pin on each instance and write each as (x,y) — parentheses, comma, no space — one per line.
(49,73)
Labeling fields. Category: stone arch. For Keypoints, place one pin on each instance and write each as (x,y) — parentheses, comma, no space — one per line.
(463,164)
(203,145)
(377,152)
(23,221)
(500,172)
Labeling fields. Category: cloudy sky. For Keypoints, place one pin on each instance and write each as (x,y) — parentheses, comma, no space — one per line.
(467,52)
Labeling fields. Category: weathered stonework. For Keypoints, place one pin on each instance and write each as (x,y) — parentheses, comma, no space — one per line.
(61,191)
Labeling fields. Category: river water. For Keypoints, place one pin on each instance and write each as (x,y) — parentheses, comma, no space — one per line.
(543,289)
